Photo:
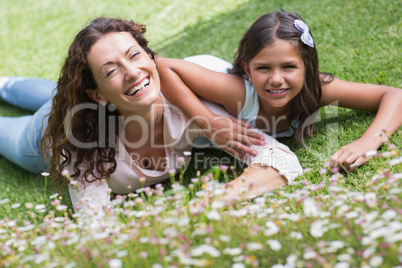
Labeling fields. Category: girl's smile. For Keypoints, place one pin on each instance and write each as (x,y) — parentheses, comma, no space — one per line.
(277,92)
(277,73)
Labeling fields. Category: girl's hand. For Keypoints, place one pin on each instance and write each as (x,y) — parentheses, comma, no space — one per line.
(386,101)
(233,135)
(353,154)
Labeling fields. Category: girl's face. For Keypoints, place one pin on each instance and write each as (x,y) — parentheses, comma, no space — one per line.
(277,73)
(125,74)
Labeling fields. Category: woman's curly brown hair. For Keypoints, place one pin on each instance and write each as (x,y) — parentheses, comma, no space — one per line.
(75,125)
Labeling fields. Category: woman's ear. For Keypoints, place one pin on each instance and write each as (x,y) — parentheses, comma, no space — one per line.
(154,59)
(93,94)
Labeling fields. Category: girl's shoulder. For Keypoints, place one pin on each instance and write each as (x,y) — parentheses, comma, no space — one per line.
(251,105)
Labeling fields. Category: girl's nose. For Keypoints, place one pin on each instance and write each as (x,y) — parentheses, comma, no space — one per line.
(276,78)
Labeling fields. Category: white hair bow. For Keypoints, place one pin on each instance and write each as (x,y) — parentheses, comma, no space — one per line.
(306,36)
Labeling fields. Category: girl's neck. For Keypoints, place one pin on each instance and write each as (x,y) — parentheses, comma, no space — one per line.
(273,120)
(268,110)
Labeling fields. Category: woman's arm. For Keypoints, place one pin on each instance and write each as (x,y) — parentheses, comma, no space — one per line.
(255,181)
(386,101)
(275,166)
(176,78)
(89,195)
(86,194)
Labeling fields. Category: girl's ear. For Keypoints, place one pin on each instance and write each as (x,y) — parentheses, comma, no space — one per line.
(246,69)
(93,94)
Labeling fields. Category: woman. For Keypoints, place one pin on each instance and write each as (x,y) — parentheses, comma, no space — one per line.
(110,125)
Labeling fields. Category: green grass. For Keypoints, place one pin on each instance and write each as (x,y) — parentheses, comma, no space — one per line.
(356,40)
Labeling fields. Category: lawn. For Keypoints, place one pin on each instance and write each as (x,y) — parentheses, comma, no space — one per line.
(326,219)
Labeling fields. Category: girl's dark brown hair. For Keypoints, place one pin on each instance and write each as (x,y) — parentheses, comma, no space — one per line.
(77,138)
(265,31)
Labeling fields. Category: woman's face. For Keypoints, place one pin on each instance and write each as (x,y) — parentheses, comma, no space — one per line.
(125,74)
(277,73)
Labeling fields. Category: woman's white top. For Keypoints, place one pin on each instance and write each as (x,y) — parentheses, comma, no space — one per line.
(180,133)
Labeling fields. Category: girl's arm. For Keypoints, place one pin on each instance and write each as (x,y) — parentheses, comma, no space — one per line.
(222,88)
(177,76)
(386,101)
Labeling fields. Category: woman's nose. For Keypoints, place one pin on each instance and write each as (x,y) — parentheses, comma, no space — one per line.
(132,72)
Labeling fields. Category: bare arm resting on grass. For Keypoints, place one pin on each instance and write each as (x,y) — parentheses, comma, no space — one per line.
(274,165)
(386,101)
(229,91)
(226,90)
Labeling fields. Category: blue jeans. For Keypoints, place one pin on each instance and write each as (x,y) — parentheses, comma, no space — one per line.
(20,137)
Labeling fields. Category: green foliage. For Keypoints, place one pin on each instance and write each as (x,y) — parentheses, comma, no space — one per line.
(321,220)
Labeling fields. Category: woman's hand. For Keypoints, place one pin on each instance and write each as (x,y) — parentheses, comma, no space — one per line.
(354,154)
(233,135)
(255,181)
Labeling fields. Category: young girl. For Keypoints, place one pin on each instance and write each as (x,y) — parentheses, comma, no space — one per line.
(110,125)
(275,85)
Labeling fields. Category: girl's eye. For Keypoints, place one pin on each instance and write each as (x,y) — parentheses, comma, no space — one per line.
(290,66)
(263,68)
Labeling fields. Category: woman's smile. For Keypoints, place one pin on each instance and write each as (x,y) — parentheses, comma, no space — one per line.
(139,88)
(125,74)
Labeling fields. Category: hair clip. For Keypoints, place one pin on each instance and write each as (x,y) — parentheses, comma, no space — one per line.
(306,36)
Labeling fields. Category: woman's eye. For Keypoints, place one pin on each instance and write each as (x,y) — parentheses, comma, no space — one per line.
(110,72)
(134,54)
